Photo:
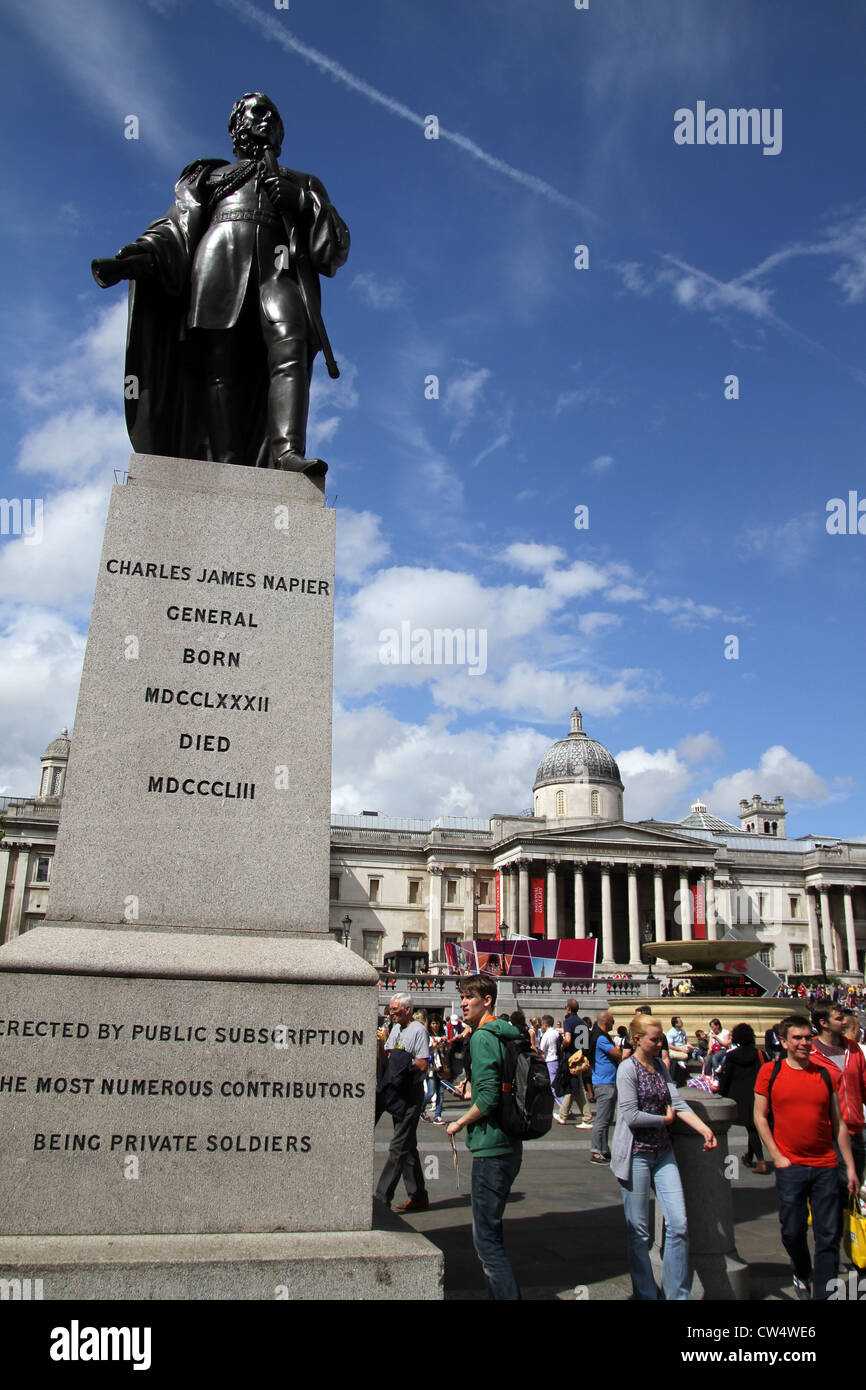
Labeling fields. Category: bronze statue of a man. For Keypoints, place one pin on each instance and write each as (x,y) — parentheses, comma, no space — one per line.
(224,313)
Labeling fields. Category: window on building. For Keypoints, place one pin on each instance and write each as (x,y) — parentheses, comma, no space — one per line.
(451,891)
(762,904)
(43,868)
(56,780)
(560,803)
(794,906)
(414,891)
(766,827)
(372,947)
(375,890)
(411,941)
(335,888)
(765,956)
(595,804)
(484,892)
(798,959)
(46,782)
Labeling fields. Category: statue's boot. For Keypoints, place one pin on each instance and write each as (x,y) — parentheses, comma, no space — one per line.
(288,403)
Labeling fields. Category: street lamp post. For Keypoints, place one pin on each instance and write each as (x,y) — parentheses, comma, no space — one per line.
(347,930)
(476,903)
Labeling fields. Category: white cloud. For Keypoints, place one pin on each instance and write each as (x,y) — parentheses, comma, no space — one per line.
(410,769)
(700,748)
(601,465)
(787,544)
(61,571)
(528,691)
(360,544)
(529,555)
(40,667)
(779,773)
(378,293)
(91,365)
(685,612)
(76,444)
(590,623)
(462,397)
(655,783)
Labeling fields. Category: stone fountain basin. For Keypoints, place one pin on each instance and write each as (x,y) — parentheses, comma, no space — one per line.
(701,955)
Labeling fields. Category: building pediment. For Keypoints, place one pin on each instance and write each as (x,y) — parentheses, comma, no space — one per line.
(622,836)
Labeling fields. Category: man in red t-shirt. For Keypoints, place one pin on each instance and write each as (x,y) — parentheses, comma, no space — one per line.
(798,1118)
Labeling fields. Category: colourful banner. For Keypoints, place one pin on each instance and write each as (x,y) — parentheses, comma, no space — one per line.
(540,960)
(497,888)
(699,914)
(536,906)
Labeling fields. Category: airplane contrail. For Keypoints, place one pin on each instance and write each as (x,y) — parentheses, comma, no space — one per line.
(275,30)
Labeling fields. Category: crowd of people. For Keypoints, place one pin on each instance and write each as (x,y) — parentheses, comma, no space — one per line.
(801,1098)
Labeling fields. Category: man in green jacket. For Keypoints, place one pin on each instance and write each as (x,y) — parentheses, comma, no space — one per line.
(496,1158)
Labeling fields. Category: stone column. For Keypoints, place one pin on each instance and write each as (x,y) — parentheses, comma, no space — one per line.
(434,910)
(468,904)
(723,907)
(827,933)
(850,937)
(710,907)
(814,938)
(552,905)
(719,1271)
(633,919)
(579,904)
(685,907)
(513,909)
(523,898)
(659,902)
(19,891)
(606,919)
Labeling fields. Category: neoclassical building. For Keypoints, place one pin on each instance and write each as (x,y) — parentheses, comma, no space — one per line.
(573,867)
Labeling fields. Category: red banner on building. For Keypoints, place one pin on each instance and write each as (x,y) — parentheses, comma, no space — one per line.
(497,891)
(699,914)
(536,906)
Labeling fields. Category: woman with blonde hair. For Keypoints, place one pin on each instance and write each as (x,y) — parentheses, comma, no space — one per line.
(642,1158)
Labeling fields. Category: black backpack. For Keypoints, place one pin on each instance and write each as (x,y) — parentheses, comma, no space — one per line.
(526,1108)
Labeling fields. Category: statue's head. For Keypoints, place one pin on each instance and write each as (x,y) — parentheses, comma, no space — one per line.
(255,122)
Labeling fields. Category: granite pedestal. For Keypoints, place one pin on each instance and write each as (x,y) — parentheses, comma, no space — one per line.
(188,1057)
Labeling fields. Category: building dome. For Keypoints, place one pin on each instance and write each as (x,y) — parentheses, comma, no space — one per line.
(59,747)
(578,780)
(577,758)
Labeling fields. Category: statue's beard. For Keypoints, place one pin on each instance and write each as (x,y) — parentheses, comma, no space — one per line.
(246,145)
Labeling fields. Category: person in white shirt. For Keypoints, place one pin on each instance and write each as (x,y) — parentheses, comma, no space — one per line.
(548,1046)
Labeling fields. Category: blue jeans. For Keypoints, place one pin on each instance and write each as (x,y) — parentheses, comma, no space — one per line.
(659,1171)
(821,1185)
(434,1090)
(491,1184)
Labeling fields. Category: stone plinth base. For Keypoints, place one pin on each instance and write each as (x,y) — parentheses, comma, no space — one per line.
(166,1082)
(301,1267)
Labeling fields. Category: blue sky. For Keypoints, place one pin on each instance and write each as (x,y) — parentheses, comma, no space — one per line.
(558,387)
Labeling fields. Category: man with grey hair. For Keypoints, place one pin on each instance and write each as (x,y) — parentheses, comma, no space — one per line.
(407,1052)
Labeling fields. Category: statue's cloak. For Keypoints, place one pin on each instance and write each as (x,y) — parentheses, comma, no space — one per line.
(166,409)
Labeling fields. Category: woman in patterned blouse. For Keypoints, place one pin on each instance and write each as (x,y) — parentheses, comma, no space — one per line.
(642,1158)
